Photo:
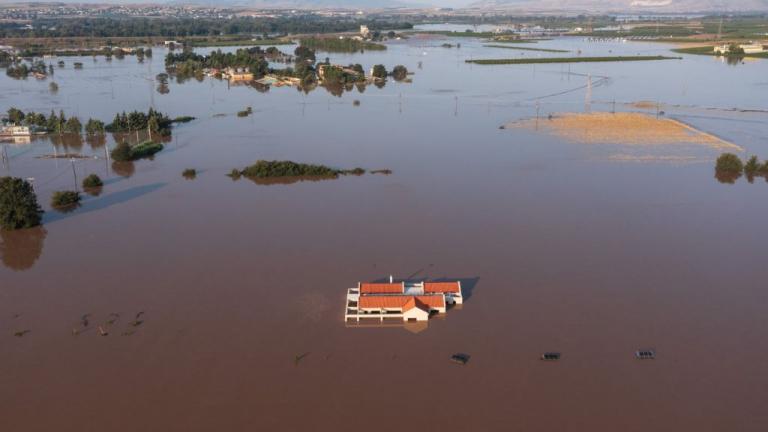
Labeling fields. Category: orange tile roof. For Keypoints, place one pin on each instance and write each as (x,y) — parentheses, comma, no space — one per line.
(382,288)
(401,302)
(442,287)
(432,301)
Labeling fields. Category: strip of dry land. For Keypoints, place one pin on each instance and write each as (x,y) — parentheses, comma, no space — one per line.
(569,60)
(626,129)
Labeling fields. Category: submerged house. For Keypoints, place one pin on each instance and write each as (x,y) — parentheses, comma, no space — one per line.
(406,301)
(750,48)
(237,74)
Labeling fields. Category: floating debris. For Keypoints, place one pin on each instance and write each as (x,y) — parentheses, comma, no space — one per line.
(84,319)
(102,331)
(128,333)
(298,358)
(460,358)
(136,323)
(21,333)
(645,354)
(550,356)
(138,315)
(112,318)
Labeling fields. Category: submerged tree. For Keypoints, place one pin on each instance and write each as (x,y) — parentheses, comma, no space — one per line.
(399,73)
(728,168)
(379,71)
(18,204)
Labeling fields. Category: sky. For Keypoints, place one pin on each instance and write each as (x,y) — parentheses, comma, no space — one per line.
(519,5)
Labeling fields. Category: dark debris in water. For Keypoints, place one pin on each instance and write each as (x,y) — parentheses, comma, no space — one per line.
(299,357)
(460,358)
(21,333)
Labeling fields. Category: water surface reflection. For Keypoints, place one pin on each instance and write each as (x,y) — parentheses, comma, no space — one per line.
(20,249)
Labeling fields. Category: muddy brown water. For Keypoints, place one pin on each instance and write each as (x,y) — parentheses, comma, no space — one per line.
(564,250)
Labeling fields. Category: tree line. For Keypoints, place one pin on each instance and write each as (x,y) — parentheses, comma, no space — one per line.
(180,27)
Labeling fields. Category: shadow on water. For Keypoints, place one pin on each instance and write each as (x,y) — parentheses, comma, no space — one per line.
(96,204)
(20,249)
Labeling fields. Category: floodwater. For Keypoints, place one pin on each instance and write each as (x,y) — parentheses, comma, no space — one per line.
(565,247)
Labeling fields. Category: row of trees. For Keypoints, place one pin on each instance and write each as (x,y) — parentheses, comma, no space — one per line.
(152,121)
(178,27)
(729,168)
(345,45)
(51,124)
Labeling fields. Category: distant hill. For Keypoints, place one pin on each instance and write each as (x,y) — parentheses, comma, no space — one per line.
(668,6)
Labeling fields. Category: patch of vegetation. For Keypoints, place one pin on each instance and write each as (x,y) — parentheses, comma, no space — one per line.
(570,60)
(124,152)
(729,163)
(18,204)
(339,75)
(526,48)
(153,121)
(189,173)
(175,27)
(51,124)
(271,169)
(728,168)
(188,64)
(227,42)
(21,70)
(65,200)
(752,166)
(183,119)
(245,113)
(399,72)
(234,174)
(379,71)
(92,181)
(94,127)
(345,45)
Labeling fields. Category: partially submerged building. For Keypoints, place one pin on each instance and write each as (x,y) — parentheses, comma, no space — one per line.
(406,301)
(750,48)
(237,74)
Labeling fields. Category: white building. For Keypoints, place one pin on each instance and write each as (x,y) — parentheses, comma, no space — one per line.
(364,31)
(15,131)
(750,48)
(406,301)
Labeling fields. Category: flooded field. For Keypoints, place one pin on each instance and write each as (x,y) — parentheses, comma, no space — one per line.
(226,297)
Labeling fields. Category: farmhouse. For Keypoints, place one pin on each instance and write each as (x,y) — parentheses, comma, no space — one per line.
(406,301)
(750,48)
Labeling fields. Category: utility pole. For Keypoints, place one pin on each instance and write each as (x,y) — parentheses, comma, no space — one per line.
(74,173)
